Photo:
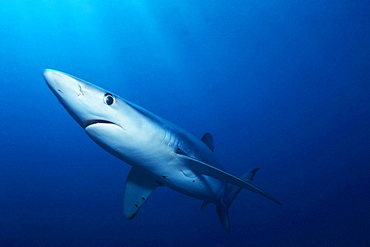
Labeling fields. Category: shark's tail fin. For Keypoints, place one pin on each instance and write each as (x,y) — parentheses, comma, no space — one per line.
(222,208)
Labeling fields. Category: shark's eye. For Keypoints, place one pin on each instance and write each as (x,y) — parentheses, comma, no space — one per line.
(108,99)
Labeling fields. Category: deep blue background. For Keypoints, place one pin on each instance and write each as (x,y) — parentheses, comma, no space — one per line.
(281,85)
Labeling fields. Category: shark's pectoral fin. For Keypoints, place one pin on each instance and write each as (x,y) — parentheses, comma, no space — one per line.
(206,169)
(138,188)
(233,190)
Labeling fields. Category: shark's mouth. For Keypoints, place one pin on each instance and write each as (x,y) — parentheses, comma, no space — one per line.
(96,121)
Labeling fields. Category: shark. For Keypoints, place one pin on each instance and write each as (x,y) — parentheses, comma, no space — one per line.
(159,152)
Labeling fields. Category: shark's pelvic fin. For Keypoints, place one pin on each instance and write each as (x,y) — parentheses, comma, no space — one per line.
(208,140)
(138,188)
(223,215)
(222,208)
(214,172)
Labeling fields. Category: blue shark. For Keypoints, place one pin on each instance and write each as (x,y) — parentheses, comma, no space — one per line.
(160,152)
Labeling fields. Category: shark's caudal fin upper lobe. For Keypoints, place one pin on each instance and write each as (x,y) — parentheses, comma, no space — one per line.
(208,170)
(235,185)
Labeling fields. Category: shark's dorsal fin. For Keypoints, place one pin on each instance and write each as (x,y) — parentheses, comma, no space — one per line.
(206,169)
(138,188)
(208,140)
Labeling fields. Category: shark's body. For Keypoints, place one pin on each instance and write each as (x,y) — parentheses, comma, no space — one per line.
(160,153)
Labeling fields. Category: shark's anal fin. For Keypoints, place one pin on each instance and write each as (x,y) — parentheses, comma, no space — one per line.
(214,172)
(138,188)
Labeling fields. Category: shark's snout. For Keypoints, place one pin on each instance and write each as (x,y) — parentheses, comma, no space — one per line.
(61,83)
(88,104)
(51,77)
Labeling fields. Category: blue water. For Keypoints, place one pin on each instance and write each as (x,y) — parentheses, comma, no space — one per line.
(281,85)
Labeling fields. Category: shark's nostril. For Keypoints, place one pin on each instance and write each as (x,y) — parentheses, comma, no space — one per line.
(80,92)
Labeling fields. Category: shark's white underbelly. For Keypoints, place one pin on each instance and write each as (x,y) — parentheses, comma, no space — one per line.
(159,161)
(168,169)
(175,176)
